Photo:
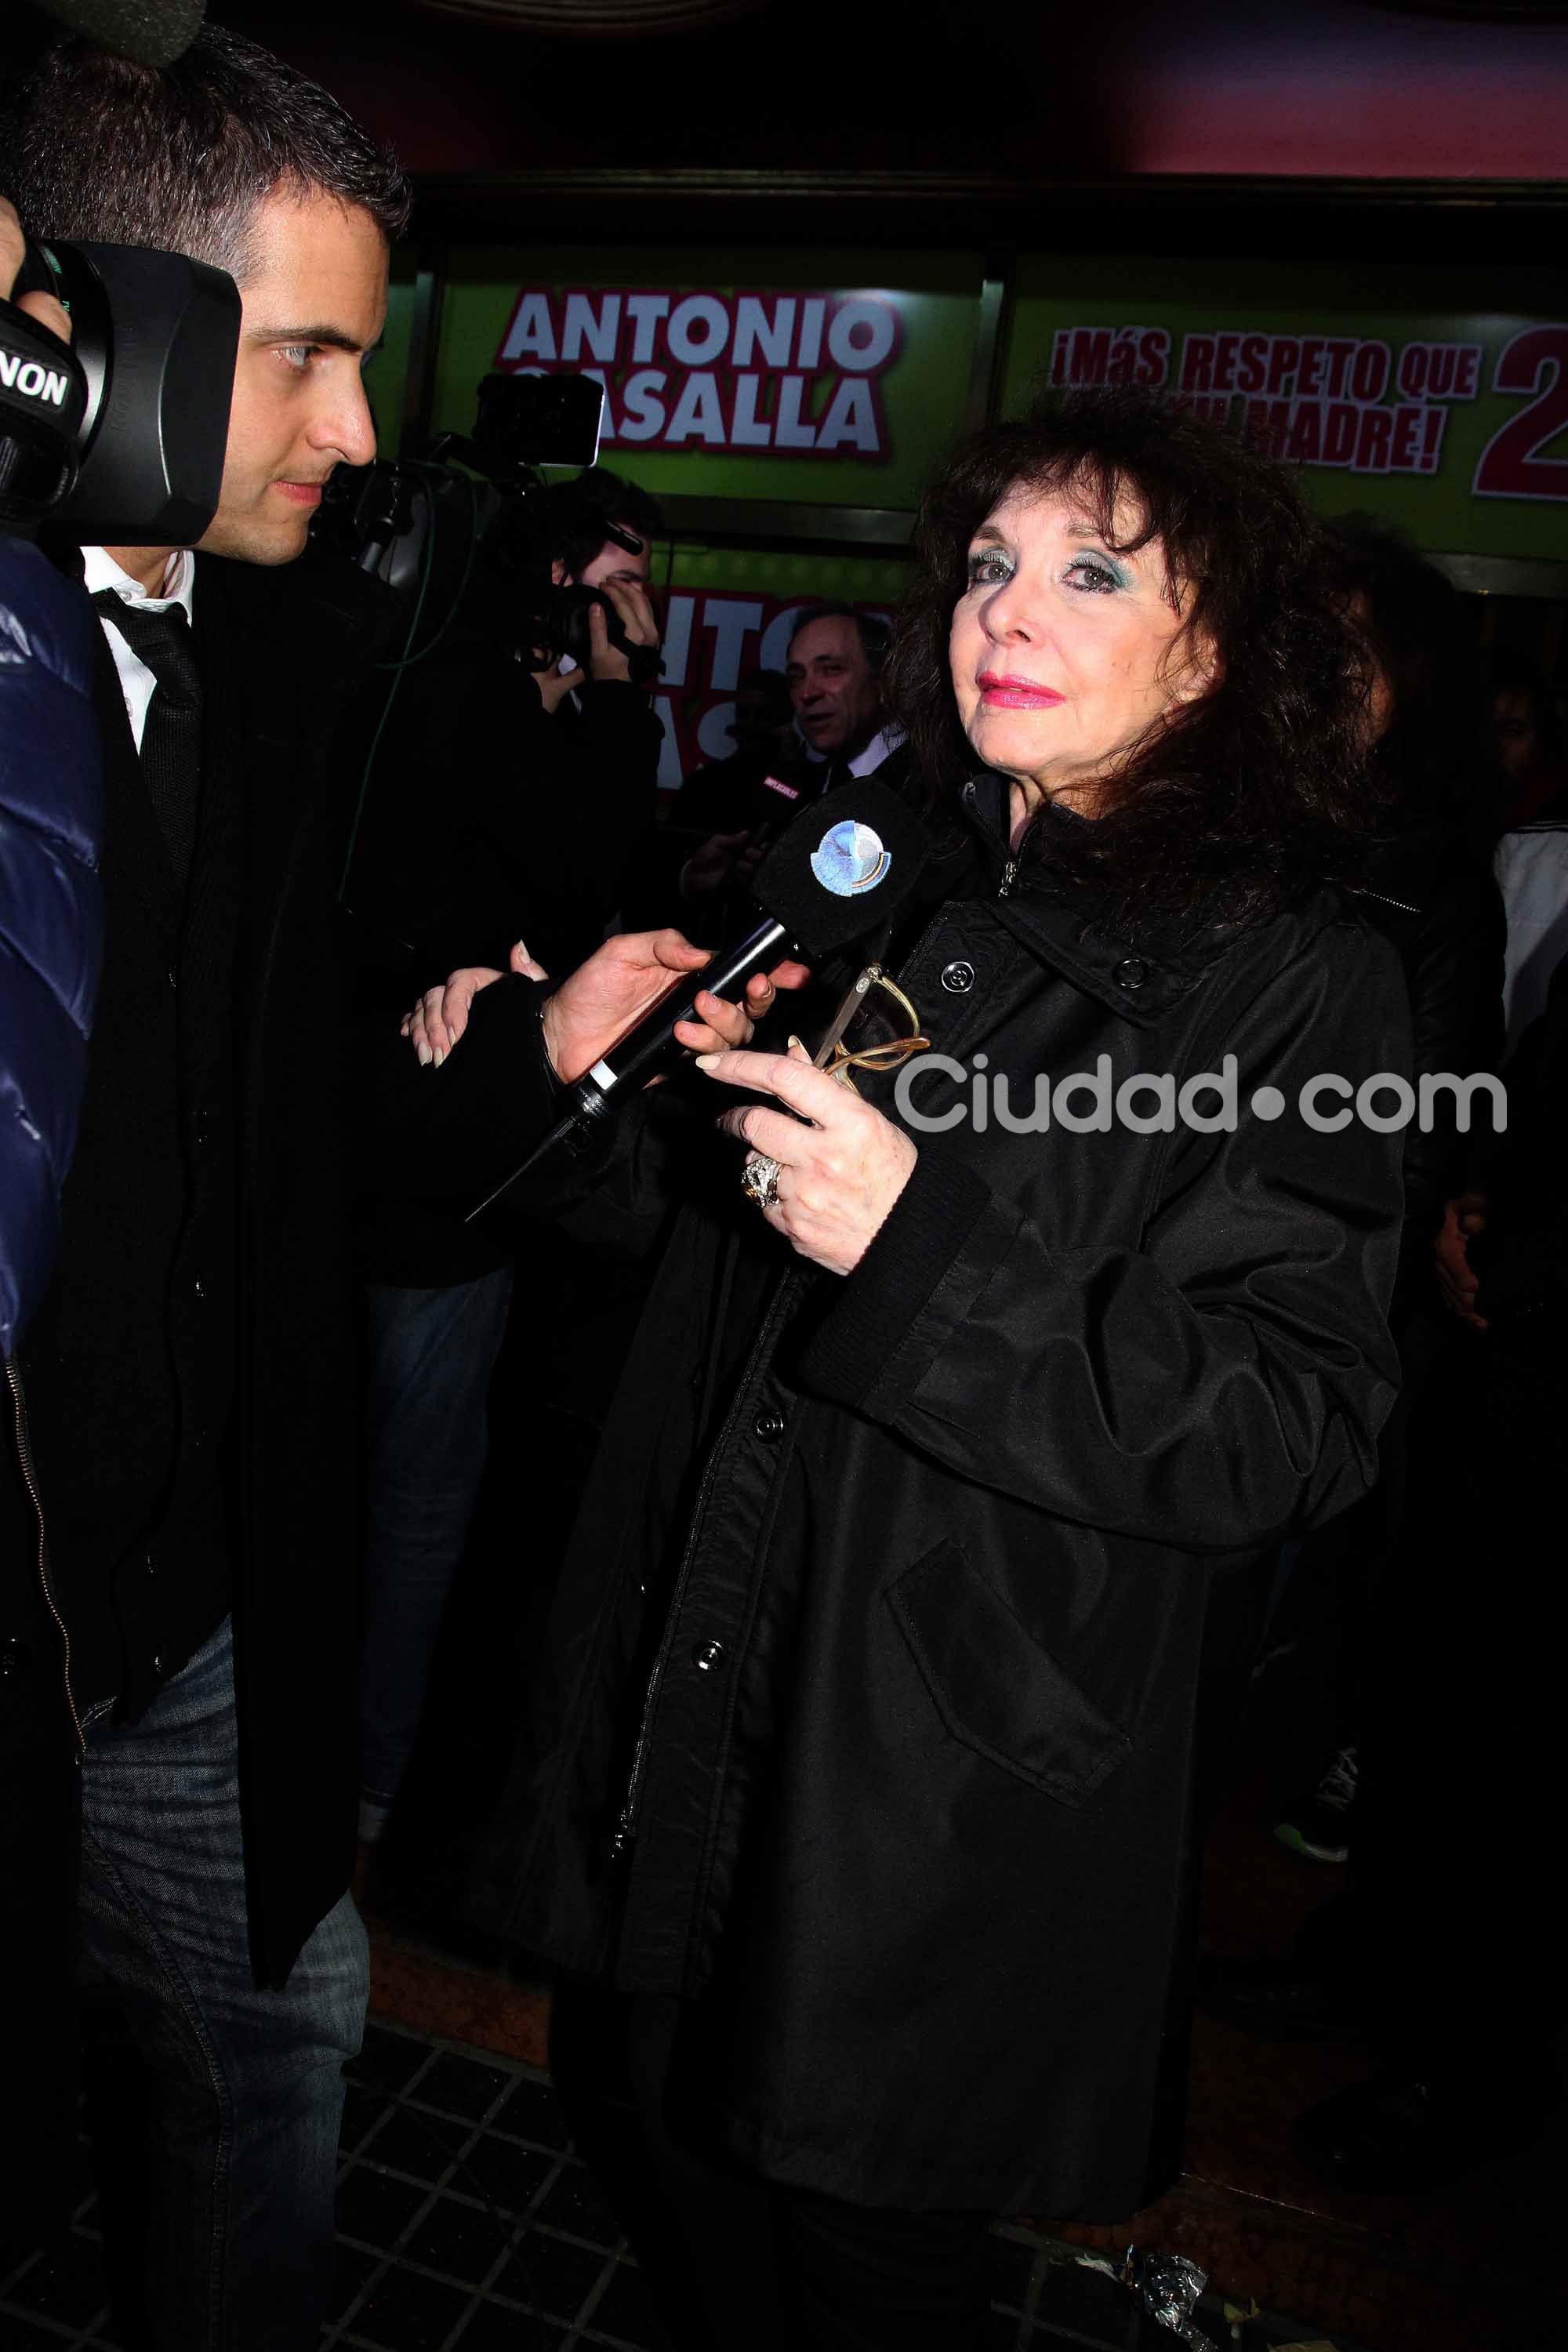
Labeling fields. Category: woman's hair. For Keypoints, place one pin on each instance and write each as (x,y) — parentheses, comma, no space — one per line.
(1248,793)
(1432,753)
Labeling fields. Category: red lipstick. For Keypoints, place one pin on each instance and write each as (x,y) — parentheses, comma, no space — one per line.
(1015,693)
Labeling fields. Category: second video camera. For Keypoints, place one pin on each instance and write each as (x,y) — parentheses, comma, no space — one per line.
(422,525)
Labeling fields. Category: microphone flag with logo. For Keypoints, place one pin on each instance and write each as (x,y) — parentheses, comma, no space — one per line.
(839,870)
(841,866)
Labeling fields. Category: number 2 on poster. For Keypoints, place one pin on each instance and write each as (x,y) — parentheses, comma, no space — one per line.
(1510,464)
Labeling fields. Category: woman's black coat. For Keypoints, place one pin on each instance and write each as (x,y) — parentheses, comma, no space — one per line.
(907,1820)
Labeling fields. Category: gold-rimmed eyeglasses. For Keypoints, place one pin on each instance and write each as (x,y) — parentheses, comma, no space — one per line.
(840,1060)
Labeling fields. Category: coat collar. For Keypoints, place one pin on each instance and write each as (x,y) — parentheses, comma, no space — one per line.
(1065,926)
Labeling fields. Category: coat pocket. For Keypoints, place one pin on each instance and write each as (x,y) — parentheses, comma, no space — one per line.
(993,1684)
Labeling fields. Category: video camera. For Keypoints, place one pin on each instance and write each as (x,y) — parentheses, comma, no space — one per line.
(423,524)
(117,437)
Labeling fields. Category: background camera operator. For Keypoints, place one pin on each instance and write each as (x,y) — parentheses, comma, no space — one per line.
(547,772)
(548,777)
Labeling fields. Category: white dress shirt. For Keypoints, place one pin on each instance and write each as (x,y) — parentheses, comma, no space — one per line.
(1532,869)
(864,762)
(137,682)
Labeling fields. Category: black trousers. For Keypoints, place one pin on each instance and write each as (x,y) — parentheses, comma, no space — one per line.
(737,2263)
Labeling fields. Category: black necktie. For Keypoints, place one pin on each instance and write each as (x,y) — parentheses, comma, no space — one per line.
(171,737)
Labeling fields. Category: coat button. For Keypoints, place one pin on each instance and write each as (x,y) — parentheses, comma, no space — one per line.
(199,1288)
(12,1656)
(958,977)
(157,1662)
(705,1656)
(1132,972)
(173,977)
(770,1425)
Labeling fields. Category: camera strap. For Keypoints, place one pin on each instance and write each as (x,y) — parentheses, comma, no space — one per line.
(43,399)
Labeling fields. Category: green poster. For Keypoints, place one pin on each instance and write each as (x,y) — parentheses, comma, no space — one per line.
(386,375)
(832,378)
(1437,400)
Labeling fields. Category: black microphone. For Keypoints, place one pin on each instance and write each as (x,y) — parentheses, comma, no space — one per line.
(837,871)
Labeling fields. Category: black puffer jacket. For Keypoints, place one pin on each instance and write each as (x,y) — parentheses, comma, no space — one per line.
(924,1562)
(51,912)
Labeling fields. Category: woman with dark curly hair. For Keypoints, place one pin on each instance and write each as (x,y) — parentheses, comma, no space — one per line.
(1240,775)
(956,1430)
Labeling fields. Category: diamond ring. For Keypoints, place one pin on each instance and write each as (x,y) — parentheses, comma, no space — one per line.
(760,1179)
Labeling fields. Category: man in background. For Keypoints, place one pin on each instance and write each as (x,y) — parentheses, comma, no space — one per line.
(725,819)
(834,673)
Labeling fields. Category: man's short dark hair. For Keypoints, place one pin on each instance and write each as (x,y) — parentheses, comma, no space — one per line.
(578,515)
(875,634)
(179,157)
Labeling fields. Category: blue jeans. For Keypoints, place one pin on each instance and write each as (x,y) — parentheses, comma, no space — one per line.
(228,2171)
(431,1355)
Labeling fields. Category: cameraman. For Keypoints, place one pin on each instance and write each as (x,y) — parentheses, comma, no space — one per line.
(548,776)
(547,771)
(51,916)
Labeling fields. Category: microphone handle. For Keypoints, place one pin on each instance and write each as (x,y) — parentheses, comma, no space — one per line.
(593,1096)
(653,1038)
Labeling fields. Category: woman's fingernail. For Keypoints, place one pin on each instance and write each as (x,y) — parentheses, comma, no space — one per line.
(440,1055)
(423,1053)
(794,1042)
(707,1061)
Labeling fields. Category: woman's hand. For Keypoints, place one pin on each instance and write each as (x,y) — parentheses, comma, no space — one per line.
(441,1016)
(624,978)
(839,1176)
